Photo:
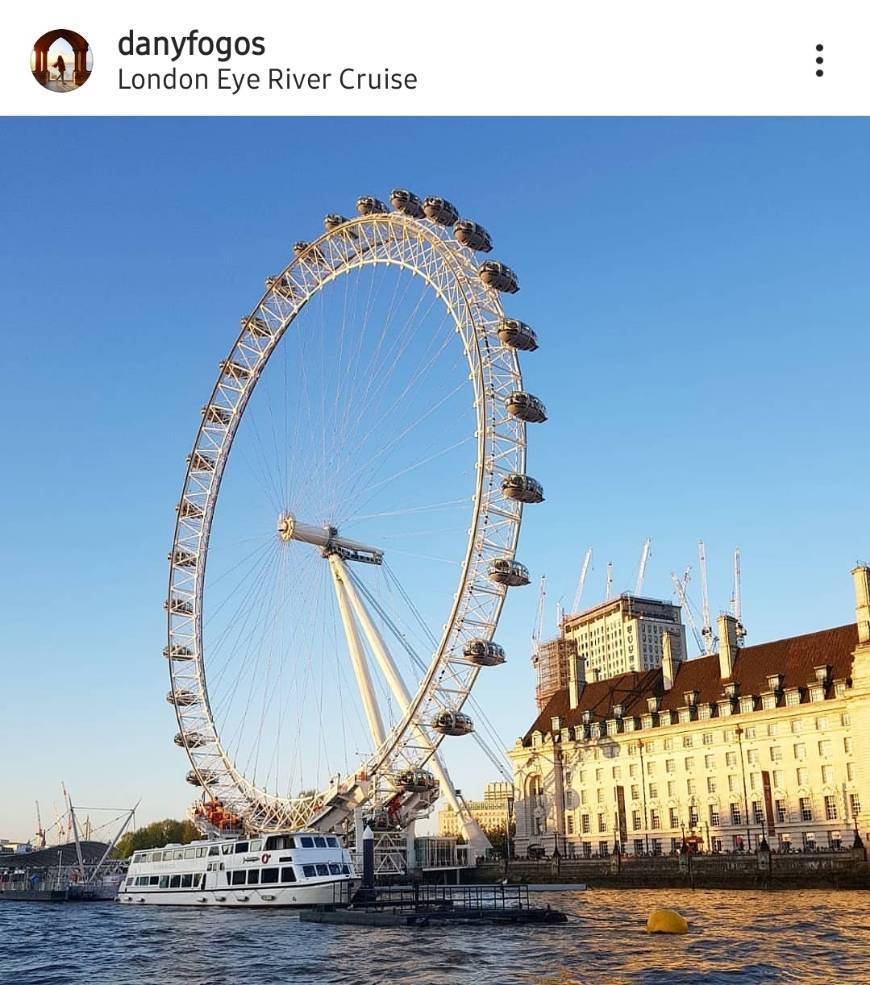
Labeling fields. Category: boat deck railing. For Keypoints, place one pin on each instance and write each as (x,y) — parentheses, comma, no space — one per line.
(421,897)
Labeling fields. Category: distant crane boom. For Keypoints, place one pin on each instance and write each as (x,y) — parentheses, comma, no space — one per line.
(539,617)
(609,585)
(736,598)
(706,628)
(680,589)
(581,584)
(641,570)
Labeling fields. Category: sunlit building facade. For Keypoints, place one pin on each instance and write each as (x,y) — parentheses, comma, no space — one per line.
(491,813)
(749,742)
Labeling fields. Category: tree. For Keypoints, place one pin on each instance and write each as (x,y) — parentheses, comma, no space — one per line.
(156,835)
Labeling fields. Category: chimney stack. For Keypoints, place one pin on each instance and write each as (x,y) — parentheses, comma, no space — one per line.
(861,577)
(576,678)
(728,637)
(670,663)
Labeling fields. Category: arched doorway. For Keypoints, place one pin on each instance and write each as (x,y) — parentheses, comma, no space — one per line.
(75,60)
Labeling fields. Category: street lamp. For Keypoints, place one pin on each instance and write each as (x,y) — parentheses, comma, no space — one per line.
(739,733)
(509,803)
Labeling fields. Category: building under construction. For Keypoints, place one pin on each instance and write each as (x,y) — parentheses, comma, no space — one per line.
(616,636)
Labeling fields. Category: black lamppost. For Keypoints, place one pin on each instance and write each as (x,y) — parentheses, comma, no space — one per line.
(739,733)
(763,845)
(643,791)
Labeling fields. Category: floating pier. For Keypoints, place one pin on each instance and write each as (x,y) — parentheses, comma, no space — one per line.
(427,905)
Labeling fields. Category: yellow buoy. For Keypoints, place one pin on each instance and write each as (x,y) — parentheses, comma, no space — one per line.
(666,922)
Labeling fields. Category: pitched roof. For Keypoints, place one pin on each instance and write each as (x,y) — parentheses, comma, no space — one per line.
(794,658)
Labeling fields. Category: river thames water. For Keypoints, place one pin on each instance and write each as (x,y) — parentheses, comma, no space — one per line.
(735,937)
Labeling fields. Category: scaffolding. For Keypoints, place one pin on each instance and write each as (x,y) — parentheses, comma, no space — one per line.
(551,660)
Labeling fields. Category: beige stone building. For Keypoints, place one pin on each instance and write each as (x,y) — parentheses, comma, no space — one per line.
(758,741)
(490,813)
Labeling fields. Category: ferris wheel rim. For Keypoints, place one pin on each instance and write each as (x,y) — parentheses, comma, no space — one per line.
(457,261)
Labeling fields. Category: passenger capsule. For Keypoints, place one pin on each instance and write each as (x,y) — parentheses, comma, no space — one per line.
(182,698)
(472,235)
(368,205)
(498,276)
(311,253)
(189,511)
(180,606)
(505,572)
(333,221)
(441,211)
(235,371)
(526,407)
(452,723)
(191,740)
(484,653)
(214,414)
(416,781)
(282,285)
(198,779)
(177,652)
(182,559)
(200,462)
(406,202)
(522,488)
(518,335)
(257,326)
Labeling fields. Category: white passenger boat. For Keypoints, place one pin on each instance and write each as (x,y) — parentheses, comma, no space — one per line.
(298,869)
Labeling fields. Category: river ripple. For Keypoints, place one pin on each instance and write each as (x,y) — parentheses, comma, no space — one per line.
(735,937)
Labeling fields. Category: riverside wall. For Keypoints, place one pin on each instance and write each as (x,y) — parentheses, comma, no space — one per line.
(831,870)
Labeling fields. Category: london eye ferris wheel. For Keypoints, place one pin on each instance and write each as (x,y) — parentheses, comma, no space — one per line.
(348,523)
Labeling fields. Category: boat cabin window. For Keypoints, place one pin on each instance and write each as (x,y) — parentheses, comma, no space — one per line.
(164,882)
(153,880)
(174,882)
(334,869)
(178,854)
(139,857)
(157,857)
(189,852)
(287,874)
(309,871)
(307,842)
(253,877)
(257,846)
(241,847)
(238,878)
(320,843)
(322,869)
(186,882)
(277,842)
(286,858)
(345,870)
(269,875)
(332,842)
(200,852)
(197,879)
(214,850)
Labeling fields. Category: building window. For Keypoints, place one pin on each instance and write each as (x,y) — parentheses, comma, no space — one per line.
(773,728)
(793,697)
(707,738)
(709,761)
(668,744)
(688,741)
(777,778)
(569,824)
(754,781)
(635,821)
(752,757)
(828,774)
(854,804)
(825,748)
(802,776)
(732,782)
(822,724)
(736,814)
(690,764)
(714,815)
(711,784)
(654,791)
(806,809)
(776,754)
(584,823)
(656,846)
(690,787)
(602,849)
(655,822)
(672,815)
(602,823)
(850,771)
(830,808)
(730,758)
(781,812)
(670,766)
(635,792)
(638,846)
(599,796)
(797,726)
(750,731)
(800,750)
(757,812)
(847,745)
(693,816)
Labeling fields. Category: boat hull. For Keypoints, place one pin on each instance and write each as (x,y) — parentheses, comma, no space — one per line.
(295,897)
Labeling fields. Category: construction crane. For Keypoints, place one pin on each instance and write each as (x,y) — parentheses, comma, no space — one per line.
(641,570)
(680,589)
(40,831)
(736,599)
(581,584)
(609,586)
(706,628)
(539,617)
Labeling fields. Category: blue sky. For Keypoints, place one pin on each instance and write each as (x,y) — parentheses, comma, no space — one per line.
(700,291)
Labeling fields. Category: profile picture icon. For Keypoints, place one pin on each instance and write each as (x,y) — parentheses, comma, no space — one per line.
(61,60)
